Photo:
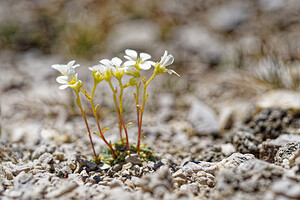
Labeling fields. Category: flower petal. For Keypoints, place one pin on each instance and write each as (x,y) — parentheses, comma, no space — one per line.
(128,58)
(131,53)
(170,71)
(61,68)
(74,66)
(144,57)
(71,63)
(105,62)
(168,61)
(129,63)
(145,66)
(116,61)
(71,72)
(62,79)
(164,57)
(99,67)
(62,87)
(151,62)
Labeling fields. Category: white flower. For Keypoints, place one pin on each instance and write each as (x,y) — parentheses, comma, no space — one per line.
(64,68)
(99,68)
(69,80)
(100,72)
(114,65)
(165,61)
(141,62)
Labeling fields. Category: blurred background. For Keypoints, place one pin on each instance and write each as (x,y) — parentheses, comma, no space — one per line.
(223,49)
(231,33)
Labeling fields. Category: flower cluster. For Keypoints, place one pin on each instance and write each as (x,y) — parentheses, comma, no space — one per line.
(104,72)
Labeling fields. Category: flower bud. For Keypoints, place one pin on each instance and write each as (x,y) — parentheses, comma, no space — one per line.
(77,85)
(133,81)
(132,71)
(98,77)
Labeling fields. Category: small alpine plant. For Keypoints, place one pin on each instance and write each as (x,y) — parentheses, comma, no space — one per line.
(105,71)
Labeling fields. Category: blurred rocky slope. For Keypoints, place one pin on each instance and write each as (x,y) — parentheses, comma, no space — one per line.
(232,33)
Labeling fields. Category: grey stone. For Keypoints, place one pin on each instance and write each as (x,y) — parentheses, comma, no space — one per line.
(85,163)
(287,187)
(227,149)
(229,16)
(2,173)
(245,142)
(46,158)
(134,159)
(269,148)
(126,166)
(115,194)
(179,173)
(286,152)
(58,156)
(235,160)
(158,183)
(280,99)
(1,188)
(197,39)
(21,168)
(116,183)
(62,190)
(22,178)
(192,167)
(252,177)
(105,166)
(117,167)
(145,38)
(203,118)
(271,5)
(39,151)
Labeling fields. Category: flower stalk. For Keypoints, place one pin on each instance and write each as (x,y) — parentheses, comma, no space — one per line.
(97,120)
(117,109)
(85,120)
(121,113)
(140,121)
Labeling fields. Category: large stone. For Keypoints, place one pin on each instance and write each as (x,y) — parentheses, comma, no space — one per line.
(269,148)
(203,118)
(144,38)
(134,159)
(249,180)
(234,160)
(282,99)
(158,183)
(287,187)
(285,152)
(229,16)
(196,39)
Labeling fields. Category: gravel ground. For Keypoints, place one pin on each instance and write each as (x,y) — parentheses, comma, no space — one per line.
(228,128)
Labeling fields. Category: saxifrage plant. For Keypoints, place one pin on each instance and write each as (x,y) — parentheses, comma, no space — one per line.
(105,71)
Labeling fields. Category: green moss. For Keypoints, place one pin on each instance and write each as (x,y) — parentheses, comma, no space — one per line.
(146,154)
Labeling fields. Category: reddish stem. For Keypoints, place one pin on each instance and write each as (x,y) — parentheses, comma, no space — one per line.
(127,141)
(103,138)
(86,123)
(140,133)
